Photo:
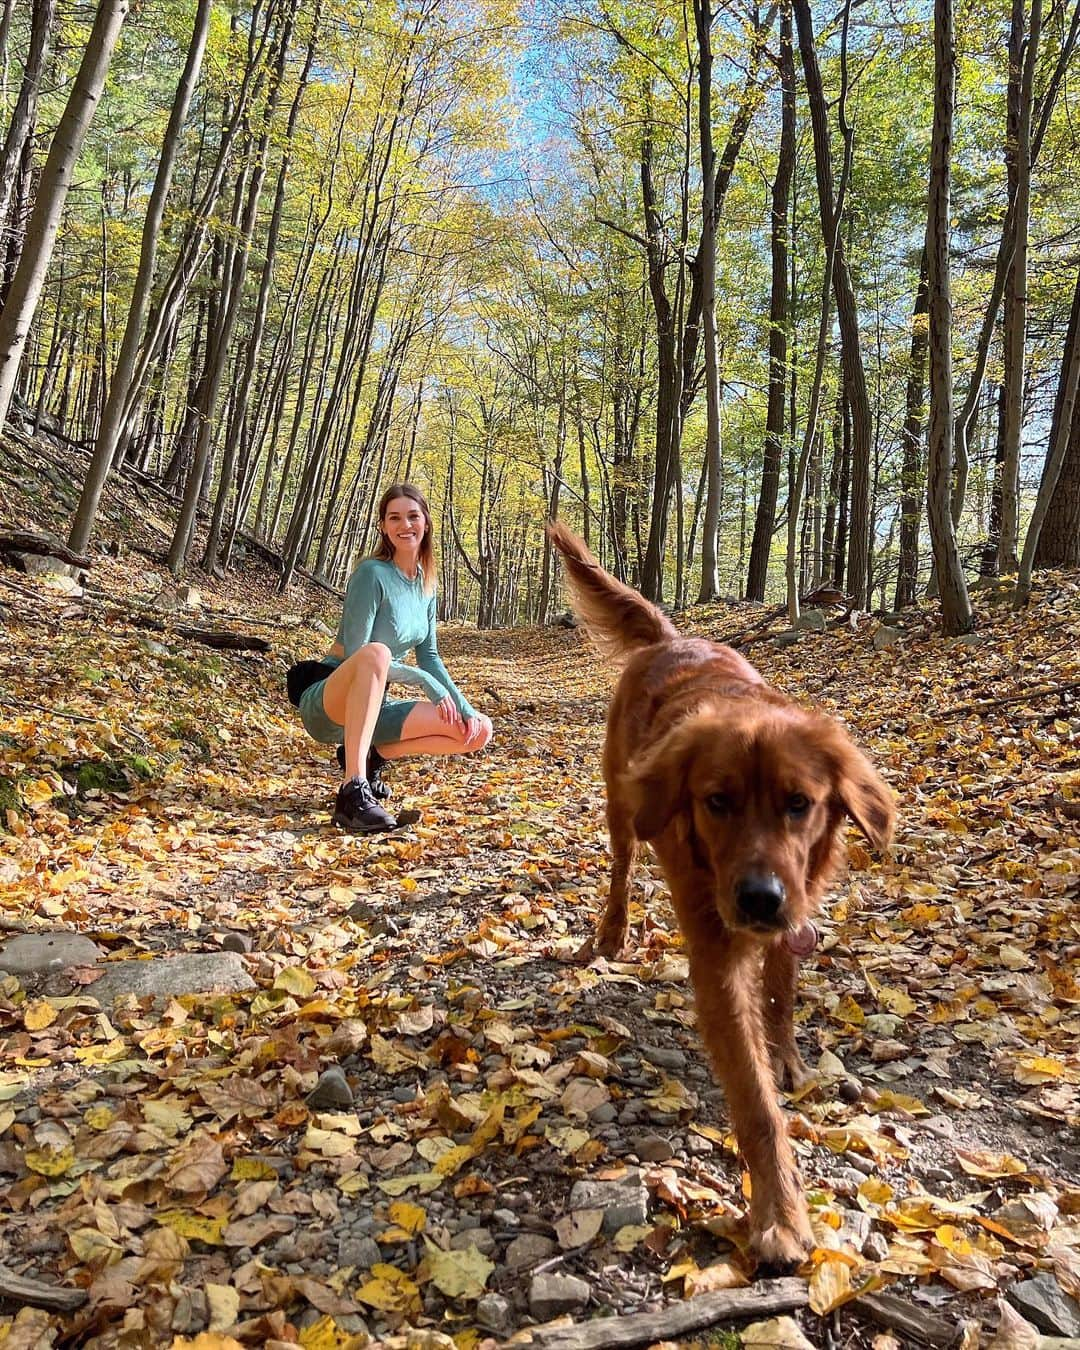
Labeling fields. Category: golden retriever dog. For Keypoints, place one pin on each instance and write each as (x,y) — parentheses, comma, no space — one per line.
(743,795)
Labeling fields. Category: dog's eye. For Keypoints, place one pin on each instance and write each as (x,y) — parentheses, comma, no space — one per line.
(719,803)
(798,804)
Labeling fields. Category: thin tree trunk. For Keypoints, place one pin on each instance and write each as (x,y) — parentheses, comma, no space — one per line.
(1015,335)
(105,447)
(832,249)
(247,228)
(956,615)
(846,308)
(965,418)
(42,18)
(706,262)
(911,436)
(174,289)
(245,431)
(1061,435)
(1059,539)
(52,192)
(765,519)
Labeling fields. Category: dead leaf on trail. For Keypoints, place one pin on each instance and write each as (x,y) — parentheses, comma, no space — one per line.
(251,1232)
(628,1237)
(224,1304)
(251,1197)
(93,1247)
(195,1227)
(582,1096)
(458,1274)
(236,1096)
(1013,1332)
(415,1021)
(985,1163)
(49,1163)
(39,1015)
(830,1282)
(782,1332)
(578,1228)
(206,1340)
(389,1289)
(198,1167)
(709,1279)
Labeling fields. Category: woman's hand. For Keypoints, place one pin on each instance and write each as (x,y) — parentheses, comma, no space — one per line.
(477,727)
(448,712)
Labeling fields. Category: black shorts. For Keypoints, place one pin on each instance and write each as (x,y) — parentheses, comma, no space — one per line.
(303,675)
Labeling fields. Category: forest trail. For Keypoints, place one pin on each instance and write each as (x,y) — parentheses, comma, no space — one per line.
(497,1136)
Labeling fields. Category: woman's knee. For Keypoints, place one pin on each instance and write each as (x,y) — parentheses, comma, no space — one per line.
(376,655)
(483,736)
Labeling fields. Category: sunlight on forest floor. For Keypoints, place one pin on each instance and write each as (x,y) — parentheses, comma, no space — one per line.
(168,1156)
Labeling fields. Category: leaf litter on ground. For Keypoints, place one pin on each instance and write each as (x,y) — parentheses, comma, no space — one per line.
(162,1155)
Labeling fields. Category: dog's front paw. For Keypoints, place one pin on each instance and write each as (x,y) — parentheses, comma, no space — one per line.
(790,1070)
(611,941)
(782,1247)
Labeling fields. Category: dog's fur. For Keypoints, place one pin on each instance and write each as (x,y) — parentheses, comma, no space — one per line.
(742,795)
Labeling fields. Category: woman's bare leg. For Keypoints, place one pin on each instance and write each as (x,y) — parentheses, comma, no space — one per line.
(352,697)
(425,733)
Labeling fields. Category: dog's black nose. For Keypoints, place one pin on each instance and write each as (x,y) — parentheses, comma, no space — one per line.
(759,897)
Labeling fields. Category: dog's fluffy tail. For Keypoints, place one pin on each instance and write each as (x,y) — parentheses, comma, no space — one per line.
(617,619)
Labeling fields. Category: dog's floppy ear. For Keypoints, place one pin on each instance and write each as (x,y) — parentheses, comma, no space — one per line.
(862,792)
(658,781)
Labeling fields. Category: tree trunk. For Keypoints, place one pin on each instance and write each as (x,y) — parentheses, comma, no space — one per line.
(1015,319)
(956,615)
(846,308)
(1062,435)
(52,193)
(832,249)
(965,418)
(247,234)
(765,520)
(105,448)
(667,375)
(174,289)
(42,17)
(911,437)
(1059,539)
(245,430)
(706,262)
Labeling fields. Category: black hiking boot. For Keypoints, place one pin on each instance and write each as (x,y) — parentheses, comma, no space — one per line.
(357,811)
(375,766)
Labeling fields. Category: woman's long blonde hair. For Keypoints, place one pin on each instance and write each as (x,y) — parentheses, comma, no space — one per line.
(384,549)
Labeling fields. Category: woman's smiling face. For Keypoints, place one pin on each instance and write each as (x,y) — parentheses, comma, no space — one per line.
(404,524)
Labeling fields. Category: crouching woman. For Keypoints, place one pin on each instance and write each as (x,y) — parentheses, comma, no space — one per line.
(389,611)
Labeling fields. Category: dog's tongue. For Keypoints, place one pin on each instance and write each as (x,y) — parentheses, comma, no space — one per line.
(802,941)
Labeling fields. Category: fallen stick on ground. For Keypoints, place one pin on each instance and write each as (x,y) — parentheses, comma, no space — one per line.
(610,1333)
(899,1315)
(53,1297)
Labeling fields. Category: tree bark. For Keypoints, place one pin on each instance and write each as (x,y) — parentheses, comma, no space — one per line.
(247,227)
(706,262)
(846,309)
(42,18)
(956,615)
(52,192)
(245,431)
(1062,427)
(105,447)
(765,519)
(911,437)
(1016,297)
(832,252)
(1059,539)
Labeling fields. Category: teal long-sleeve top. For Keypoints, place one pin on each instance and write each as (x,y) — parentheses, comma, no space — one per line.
(383,605)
